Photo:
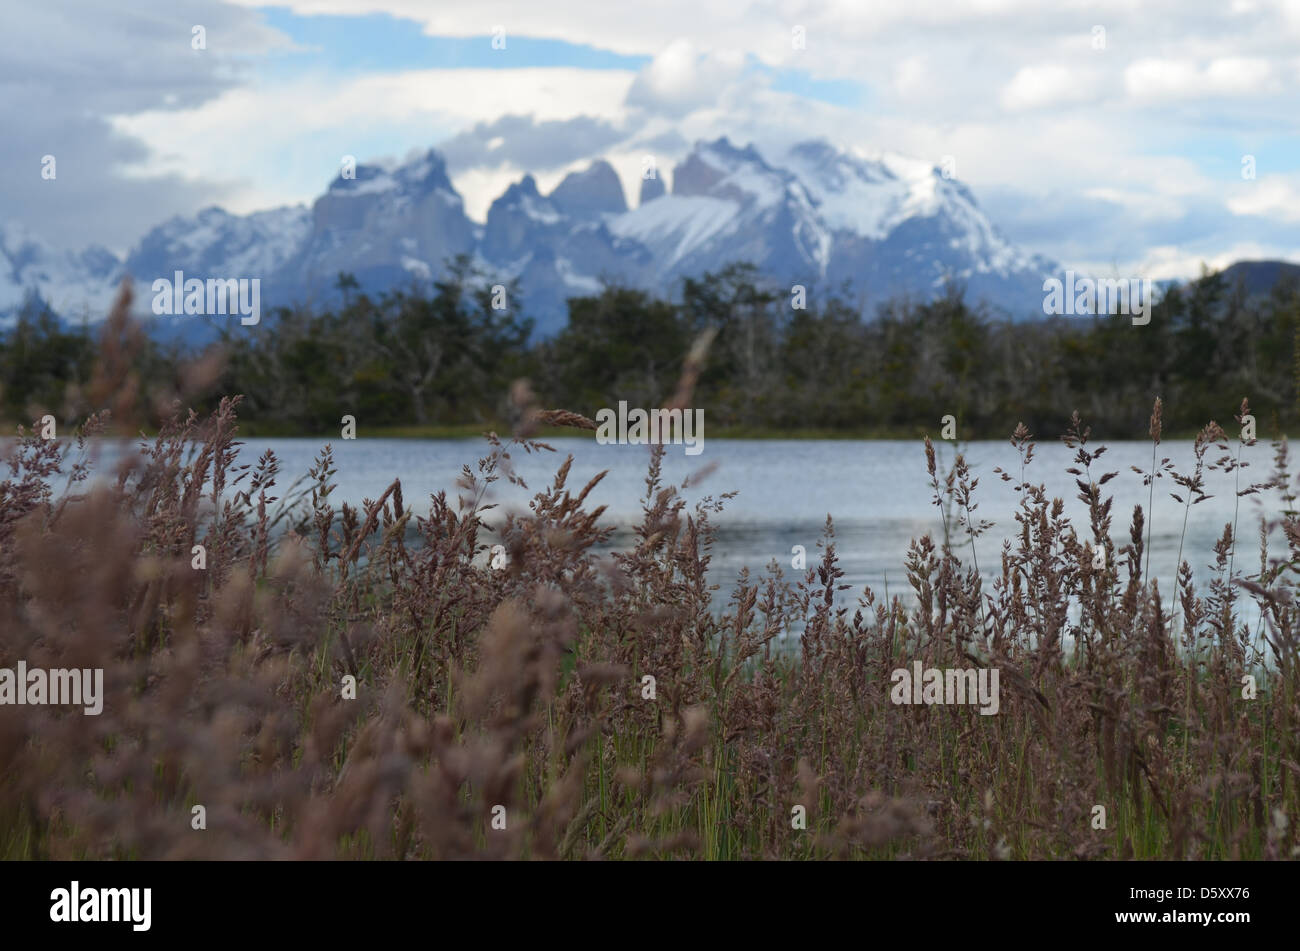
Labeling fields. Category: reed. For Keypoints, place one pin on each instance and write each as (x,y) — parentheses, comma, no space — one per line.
(517,694)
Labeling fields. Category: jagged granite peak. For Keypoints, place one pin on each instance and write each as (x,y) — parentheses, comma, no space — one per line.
(387,227)
(518,222)
(519,192)
(711,164)
(426,173)
(728,205)
(811,213)
(590,193)
(651,188)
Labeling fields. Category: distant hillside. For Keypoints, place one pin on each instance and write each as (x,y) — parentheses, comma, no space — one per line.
(1260,277)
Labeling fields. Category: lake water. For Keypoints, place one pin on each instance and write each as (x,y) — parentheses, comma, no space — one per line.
(877,492)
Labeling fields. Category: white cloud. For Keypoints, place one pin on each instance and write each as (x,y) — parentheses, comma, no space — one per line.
(683,78)
(65,66)
(1141,204)
(1172,262)
(1011,88)
(916,79)
(1034,87)
(1168,79)
(761,28)
(282,143)
(1272,197)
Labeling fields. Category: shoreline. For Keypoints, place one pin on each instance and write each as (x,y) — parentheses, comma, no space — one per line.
(502,429)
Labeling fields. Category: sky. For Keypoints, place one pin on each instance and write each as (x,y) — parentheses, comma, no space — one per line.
(1144,139)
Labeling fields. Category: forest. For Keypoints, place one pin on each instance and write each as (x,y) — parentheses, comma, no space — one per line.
(430,362)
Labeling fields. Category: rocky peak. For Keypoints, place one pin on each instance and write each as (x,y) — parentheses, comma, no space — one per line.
(591,193)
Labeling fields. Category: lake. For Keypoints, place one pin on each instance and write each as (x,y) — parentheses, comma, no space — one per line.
(877,492)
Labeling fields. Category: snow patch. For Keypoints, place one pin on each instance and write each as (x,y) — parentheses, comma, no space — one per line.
(580,282)
(676,225)
(538,211)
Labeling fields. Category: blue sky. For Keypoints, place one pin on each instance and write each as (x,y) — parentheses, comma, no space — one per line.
(1126,152)
(380,41)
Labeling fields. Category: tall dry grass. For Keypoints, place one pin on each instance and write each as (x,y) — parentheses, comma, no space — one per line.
(522,687)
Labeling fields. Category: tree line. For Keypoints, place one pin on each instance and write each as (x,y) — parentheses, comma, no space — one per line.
(447,357)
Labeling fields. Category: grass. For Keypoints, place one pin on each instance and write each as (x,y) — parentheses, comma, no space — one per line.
(522,687)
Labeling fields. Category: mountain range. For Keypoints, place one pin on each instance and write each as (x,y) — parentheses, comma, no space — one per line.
(880,227)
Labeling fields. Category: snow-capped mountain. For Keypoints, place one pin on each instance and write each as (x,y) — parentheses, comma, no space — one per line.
(384,226)
(561,245)
(814,214)
(215,241)
(75,285)
(727,204)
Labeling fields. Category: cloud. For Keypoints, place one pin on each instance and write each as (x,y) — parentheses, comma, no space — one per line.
(1035,87)
(1169,79)
(102,61)
(1273,197)
(669,141)
(523,142)
(66,67)
(683,78)
(1138,205)
(916,78)
(1132,146)
(1172,262)
(292,134)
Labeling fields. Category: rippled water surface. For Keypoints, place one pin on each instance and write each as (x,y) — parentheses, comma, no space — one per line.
(877,492)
